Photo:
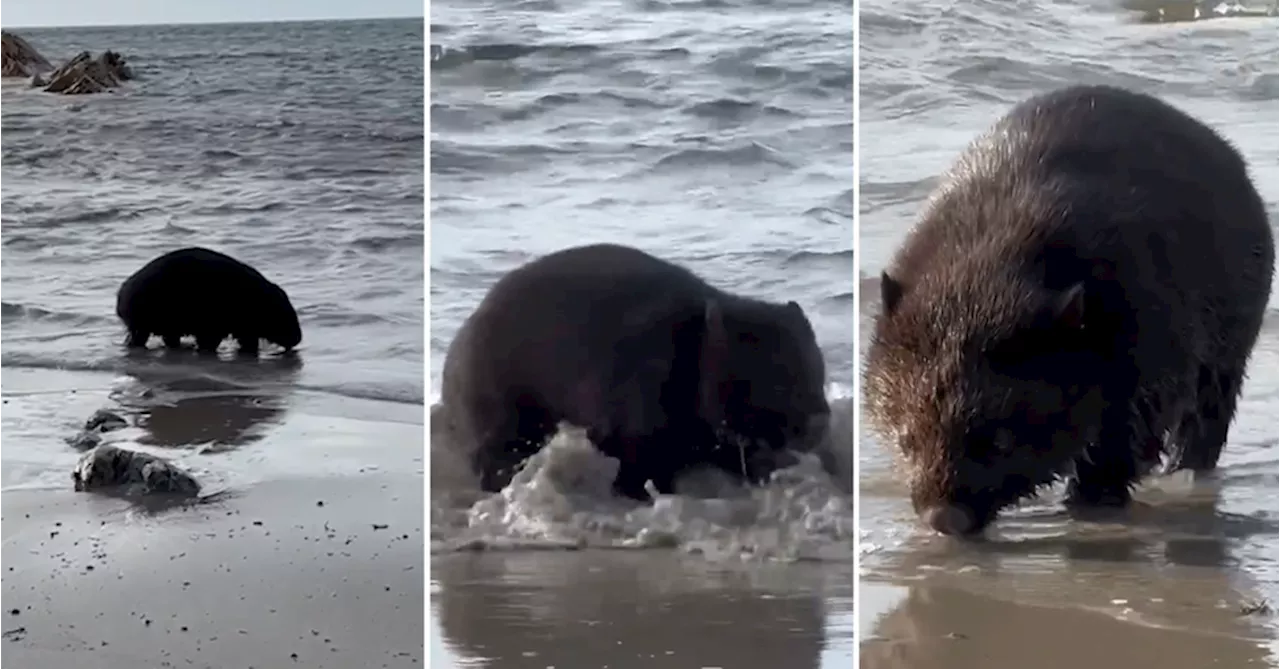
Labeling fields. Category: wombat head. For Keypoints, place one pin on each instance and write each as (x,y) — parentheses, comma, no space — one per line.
(281,325)
(986,387)
(763,373)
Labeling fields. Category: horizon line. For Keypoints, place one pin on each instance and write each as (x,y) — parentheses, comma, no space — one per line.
(213,23)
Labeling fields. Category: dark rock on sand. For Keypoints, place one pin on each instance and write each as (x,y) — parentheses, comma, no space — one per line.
(132,472)
(91,436)
(105,421)
(85,440)
(20,59)
(85,74)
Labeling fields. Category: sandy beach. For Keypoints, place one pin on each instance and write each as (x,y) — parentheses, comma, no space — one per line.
(309,552)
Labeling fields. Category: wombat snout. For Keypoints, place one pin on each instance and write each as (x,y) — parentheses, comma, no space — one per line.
(950,520)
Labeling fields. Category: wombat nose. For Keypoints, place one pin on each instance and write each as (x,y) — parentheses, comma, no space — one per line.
(949,519)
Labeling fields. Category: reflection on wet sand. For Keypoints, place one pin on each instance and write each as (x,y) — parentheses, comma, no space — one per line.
(1157,589)
(939,627)
(629,610)
(181,399)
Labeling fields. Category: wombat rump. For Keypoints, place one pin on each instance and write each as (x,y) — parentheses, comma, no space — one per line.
(1079,299)
(662,370)
(208,295)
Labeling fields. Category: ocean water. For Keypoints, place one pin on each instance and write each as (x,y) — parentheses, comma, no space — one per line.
(933,75)
(295,147)
(714,134)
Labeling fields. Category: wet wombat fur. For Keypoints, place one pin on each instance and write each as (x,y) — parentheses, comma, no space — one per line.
(645,355)
(1080,298)
(208,295)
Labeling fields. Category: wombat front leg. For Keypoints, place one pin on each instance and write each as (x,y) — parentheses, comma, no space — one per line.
(1108,467)
(207,342)
(248,343)
(505,445)
(641,432)
(1202,436)
(172,340)
(137,339)
(641,459)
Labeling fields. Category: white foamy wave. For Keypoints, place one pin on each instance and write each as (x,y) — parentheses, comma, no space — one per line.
(562,499)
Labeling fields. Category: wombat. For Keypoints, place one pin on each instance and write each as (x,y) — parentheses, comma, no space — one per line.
(1079,299)
(208,295)
(663,370)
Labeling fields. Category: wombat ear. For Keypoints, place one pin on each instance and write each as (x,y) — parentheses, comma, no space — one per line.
(1068,307)
(795,308)
(711,364)
(890,292)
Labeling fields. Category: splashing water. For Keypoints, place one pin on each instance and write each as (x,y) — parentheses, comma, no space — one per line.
(562,499)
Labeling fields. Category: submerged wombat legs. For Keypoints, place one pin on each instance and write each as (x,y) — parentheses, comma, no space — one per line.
(137,339)
(208,342)
(1202,436)
(643,459)
(503,448)
(248,343)
(1109,467)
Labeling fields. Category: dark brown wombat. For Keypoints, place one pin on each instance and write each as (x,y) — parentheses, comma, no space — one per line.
(663,370)
(209,295)
(1080,298)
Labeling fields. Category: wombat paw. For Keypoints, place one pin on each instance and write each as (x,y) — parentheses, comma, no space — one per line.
(1091,497)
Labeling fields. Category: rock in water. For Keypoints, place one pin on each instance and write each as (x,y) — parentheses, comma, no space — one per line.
(84,74)
(85,440)
(102,421)
(135,472)
(105,421)
(20,59)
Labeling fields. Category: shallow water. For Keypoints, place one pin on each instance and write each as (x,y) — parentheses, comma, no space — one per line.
(1190,557)
(717,135)
(631,610)
(295,147)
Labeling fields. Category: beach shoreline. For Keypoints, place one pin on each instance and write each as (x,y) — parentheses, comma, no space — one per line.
(312,551)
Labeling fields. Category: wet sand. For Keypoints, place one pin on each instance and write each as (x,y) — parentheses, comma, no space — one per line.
(940,627)
(309,554)
(634,609)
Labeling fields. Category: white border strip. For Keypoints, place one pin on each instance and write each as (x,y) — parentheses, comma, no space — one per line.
(426,330)
(857,328)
